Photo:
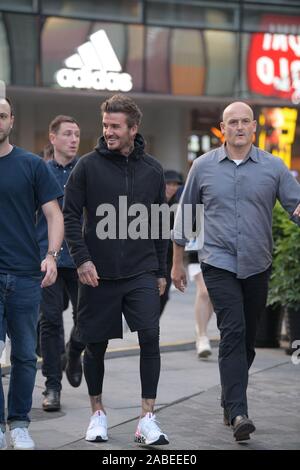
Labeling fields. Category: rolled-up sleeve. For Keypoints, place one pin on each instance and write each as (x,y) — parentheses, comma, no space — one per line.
(189,208)
(288,192)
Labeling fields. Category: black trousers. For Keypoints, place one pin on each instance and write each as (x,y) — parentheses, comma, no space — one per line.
(165,297)
(238,304)
(51,325)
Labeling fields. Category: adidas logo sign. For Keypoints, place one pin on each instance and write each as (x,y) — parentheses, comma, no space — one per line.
(95,65)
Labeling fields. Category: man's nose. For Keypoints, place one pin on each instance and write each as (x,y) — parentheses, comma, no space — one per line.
(240,125)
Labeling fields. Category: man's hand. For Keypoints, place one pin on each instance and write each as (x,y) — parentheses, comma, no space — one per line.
(88,274)
(297,211)
(161,282)
(178,276)
(49,267)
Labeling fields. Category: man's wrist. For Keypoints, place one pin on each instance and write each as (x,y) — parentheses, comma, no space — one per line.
(54,254)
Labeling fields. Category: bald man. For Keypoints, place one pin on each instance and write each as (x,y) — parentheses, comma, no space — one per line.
(238,185)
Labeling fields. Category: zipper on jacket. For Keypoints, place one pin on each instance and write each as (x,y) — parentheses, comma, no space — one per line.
(127,194)
(126,177)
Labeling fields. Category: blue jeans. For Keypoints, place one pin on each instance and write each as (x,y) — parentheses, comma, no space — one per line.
(19,308)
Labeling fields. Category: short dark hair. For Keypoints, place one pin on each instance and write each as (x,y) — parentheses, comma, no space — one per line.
(123,104)
(58,120)
(8,100)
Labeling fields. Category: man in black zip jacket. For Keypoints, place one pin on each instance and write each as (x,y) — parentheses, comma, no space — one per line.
(119,272)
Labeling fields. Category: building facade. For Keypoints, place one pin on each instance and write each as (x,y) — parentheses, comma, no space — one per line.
(182,60)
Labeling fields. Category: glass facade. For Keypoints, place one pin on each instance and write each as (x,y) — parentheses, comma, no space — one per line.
(159,60)
(23,40)
(173,61)
(127,10)
(4,54)
(191,14)
(19,5)
(183,48)
(183,60)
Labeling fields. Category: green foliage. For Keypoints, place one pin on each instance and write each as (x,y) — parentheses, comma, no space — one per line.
(280,217)
(285,278)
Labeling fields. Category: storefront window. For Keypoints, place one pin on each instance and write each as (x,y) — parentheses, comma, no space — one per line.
(60,38)
(157,76)
(4,54)
(271,19)
(187,64)
(126,10)
(19,5)
(279,2)
(22,33)
(222,76)
(135,55)
(120,57)
(189,14)
(89,56)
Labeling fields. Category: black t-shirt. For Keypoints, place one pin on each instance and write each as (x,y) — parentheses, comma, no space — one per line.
(25,183)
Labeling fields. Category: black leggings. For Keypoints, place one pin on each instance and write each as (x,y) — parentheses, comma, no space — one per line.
(93,363)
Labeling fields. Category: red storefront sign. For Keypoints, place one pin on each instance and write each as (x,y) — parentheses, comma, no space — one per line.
(274,59)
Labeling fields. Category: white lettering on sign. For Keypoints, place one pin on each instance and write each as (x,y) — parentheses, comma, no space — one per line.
(283,73)
(96,66)
(282,42)
(265,70)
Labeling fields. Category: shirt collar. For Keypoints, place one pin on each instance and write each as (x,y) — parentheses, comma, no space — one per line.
(251,154)
(69,166)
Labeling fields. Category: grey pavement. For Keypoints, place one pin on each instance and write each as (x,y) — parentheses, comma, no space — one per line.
(188,404)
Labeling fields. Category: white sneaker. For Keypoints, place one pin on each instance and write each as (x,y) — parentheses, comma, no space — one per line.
(203,347)
(3,444)
(148,431)
(97,430)
(21,440)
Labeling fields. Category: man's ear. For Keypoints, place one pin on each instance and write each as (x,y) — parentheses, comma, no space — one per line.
(133,130)
(52,137)
(222,127)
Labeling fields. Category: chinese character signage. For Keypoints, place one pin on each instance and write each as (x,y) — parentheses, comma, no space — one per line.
(276,131)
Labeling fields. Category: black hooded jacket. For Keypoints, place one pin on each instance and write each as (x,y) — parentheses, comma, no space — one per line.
(100,177)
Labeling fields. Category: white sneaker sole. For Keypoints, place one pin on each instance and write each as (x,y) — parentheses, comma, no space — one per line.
(23,448)
(162,440)
(97,439)
(204,354)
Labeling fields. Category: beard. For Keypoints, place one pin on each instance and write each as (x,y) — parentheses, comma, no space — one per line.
(4,135)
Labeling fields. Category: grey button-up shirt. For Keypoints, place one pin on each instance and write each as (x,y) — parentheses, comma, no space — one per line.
(238,202)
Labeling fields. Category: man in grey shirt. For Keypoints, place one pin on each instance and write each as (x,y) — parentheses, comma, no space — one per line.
(238,184)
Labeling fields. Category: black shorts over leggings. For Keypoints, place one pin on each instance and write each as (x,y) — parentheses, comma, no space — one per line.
(100,308)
